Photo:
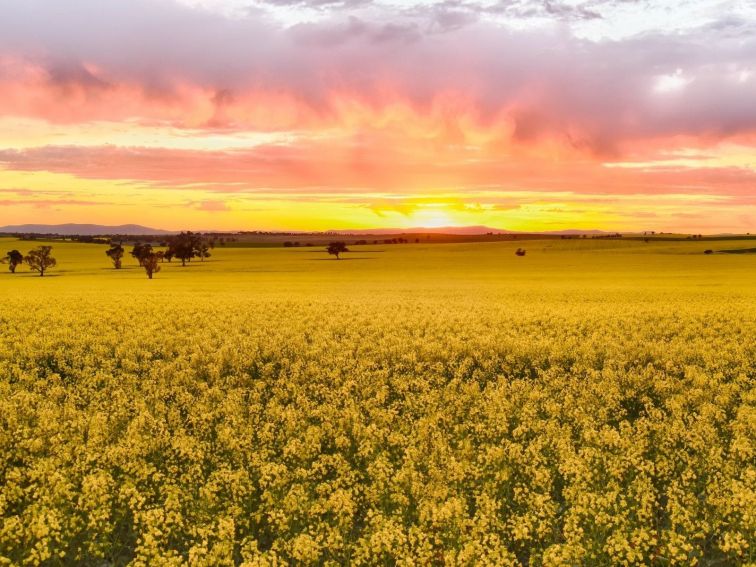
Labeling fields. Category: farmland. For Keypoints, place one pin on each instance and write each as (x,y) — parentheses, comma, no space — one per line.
(591,403)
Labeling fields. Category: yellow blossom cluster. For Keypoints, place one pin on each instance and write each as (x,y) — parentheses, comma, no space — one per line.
(378,430)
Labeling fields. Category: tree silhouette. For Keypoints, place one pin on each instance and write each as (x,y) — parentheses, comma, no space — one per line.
(140,251)
(336,248)
(40,259)
(202,250)
(186,246)
(115,253)
(13,259)
(151,263)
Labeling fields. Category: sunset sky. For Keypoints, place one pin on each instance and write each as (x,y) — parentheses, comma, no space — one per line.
(318,114)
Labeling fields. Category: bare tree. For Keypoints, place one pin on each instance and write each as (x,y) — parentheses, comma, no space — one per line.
(40,259)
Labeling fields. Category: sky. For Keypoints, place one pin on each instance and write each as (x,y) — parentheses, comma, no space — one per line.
(625,115)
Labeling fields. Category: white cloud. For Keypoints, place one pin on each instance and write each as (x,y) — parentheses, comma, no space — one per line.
(671,82)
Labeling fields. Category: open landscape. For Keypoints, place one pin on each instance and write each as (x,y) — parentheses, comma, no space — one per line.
(398,283)
(590,403)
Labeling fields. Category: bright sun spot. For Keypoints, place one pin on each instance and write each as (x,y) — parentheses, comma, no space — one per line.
(431,216)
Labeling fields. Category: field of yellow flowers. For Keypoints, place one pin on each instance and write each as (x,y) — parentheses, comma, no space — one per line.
(591,403)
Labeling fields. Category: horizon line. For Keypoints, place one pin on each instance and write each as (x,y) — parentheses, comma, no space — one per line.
(484,230)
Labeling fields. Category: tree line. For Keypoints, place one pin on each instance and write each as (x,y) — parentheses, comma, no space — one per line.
(184,247)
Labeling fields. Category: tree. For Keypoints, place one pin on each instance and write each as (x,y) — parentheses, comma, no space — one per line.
(336,248)
(151,263)
(115,253)
(40,259)
(13,259)
(185,246)
(140,251)
(202,250)
(188,245)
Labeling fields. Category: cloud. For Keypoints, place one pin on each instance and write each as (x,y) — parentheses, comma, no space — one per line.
(568,11)
(321,4)
(322,170)
(212,206)
(162,62)
(48,203)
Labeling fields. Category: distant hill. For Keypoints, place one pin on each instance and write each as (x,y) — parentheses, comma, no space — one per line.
(456,230)
(135,229)
(82,229)
(575,231)
(461,230)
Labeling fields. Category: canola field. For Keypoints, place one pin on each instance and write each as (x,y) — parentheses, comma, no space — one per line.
(591,403)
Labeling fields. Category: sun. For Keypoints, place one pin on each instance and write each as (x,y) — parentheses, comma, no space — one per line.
(431,216)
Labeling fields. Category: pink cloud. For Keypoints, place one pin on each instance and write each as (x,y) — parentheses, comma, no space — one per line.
(319,167)
(47,203)
(212,206)
(164,62)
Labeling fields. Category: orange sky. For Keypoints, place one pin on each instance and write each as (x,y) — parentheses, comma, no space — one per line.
(194,117)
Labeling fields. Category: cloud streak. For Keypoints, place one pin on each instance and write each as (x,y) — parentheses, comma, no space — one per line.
(323,168)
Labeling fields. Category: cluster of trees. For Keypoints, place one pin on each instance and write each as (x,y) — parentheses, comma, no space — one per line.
(88,239)
(593,236)
(615,235)
(184,246)
(188,245)
(39,259)
(387,241)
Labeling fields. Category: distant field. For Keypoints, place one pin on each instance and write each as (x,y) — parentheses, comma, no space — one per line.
(591,403)
(490,267)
